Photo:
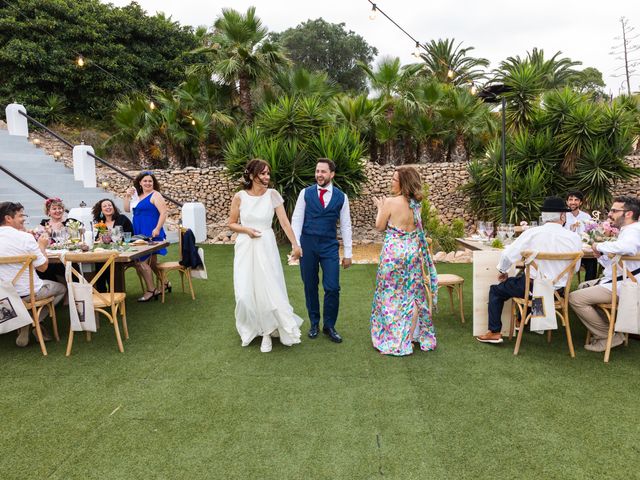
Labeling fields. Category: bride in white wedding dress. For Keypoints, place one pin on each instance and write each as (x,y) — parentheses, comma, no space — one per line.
(262,303)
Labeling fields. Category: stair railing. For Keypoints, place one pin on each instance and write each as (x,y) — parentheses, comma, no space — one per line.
(95,157)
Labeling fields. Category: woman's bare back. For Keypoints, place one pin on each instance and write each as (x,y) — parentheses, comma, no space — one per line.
(401,215)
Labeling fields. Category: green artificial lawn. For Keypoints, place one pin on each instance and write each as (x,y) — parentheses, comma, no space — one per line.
(186,401)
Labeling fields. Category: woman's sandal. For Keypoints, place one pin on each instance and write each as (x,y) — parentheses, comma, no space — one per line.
(154,296)
(167,287)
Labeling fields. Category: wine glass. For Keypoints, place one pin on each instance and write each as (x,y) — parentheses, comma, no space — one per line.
(481,229)
(502,231)
(489,228)
(511,230)
(533,223)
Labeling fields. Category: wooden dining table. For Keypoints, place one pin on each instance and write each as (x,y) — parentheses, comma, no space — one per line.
(485,259)
(124,259)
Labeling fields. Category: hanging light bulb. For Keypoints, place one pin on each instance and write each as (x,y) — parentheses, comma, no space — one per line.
(152,105)
(374,12)
(80,61)
(450,73)
(474,89)
(416,52)
(193,122)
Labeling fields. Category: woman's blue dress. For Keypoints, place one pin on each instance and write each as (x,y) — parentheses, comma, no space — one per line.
(145,219)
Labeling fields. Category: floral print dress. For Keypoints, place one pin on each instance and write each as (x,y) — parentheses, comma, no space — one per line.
(400,287)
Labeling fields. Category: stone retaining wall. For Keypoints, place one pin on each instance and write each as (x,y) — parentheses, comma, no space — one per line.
(211,187)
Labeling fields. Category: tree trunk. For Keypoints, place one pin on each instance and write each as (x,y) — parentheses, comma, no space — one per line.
(172,162)
(245,97)
(203,157)
(143,159)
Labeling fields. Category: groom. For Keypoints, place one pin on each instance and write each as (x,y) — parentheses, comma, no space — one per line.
(317,211)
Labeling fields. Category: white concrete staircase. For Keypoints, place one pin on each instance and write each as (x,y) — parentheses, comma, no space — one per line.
(42,171)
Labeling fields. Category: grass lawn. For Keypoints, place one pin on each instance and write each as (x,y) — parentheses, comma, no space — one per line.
(186,401)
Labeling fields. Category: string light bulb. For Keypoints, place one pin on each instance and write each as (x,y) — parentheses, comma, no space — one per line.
(416,52)
(152,105)
(374,12)
(193,122)
(450,73)
(57,154)
(474,89)
(80,61)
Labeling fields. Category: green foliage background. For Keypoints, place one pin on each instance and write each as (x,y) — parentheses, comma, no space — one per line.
(40,41)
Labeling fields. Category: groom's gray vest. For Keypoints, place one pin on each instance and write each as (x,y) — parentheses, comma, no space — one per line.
(319,221)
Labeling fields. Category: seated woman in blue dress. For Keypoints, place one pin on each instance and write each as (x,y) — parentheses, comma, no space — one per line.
(149,215)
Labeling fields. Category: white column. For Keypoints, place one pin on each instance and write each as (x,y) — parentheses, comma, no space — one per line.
(16,123)
(84,166)
(194,216)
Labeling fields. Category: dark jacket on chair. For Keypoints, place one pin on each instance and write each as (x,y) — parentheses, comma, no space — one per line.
(190,257)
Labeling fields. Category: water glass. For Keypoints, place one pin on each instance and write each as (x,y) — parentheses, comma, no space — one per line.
(481,229)
(502,232)
(511,230)
(127,237)
(489,228)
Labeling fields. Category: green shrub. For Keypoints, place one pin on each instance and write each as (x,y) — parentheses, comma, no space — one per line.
(443,236)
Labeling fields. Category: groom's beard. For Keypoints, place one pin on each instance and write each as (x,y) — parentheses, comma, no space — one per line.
(323,183)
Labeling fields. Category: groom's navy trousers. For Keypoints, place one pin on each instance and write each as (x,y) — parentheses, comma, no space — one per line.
(319,251)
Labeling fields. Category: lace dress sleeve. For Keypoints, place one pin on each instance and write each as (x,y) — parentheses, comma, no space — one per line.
(276,199)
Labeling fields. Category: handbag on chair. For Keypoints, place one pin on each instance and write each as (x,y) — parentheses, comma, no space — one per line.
(81,311)
(13,313)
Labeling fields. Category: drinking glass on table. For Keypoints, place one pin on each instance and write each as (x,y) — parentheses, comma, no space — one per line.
(511,230)
(533,223)
(481,229)
(488,226)
(502,231)
(127,237)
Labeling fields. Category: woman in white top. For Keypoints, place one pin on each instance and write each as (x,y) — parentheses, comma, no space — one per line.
(262,303)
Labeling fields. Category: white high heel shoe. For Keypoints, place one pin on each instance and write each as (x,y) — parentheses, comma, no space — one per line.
(265,346)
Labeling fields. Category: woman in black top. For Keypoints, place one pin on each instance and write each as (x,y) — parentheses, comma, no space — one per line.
(105,211)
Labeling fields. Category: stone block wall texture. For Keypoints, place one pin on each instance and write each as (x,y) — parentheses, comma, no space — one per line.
(214,189)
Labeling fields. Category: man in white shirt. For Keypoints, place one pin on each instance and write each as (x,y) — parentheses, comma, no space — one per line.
(623,214)
(318,209)
(14,241)
(576,218)
(550,237)
(576,221)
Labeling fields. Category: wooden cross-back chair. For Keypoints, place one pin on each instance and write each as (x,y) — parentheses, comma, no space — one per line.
(561,302)
(610,309)
(32,304)
(110,303)
(163,269)
(452,282)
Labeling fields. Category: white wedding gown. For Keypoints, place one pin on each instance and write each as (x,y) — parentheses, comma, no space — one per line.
(262,303)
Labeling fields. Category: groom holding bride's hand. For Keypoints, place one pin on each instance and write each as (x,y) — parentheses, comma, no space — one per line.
(318,209)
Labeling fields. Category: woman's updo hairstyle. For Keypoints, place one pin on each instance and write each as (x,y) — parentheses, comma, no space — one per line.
(254,168)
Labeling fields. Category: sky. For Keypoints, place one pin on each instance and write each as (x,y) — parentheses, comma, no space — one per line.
(582,30)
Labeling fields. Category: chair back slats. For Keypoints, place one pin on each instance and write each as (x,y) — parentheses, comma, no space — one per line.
(27,264)
(108,258)
(530,258)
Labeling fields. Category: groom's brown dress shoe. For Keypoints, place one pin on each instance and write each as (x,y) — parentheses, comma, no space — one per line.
(333,335)
(313,332)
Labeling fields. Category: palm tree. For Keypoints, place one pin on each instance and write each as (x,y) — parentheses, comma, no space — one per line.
(361,114)
(132,119)
(528,79)
(239,54)
(452,64)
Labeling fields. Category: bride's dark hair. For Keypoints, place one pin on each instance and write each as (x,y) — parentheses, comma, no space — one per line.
(254,168)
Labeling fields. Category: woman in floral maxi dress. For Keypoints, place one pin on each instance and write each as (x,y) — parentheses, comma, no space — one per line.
(400,313)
